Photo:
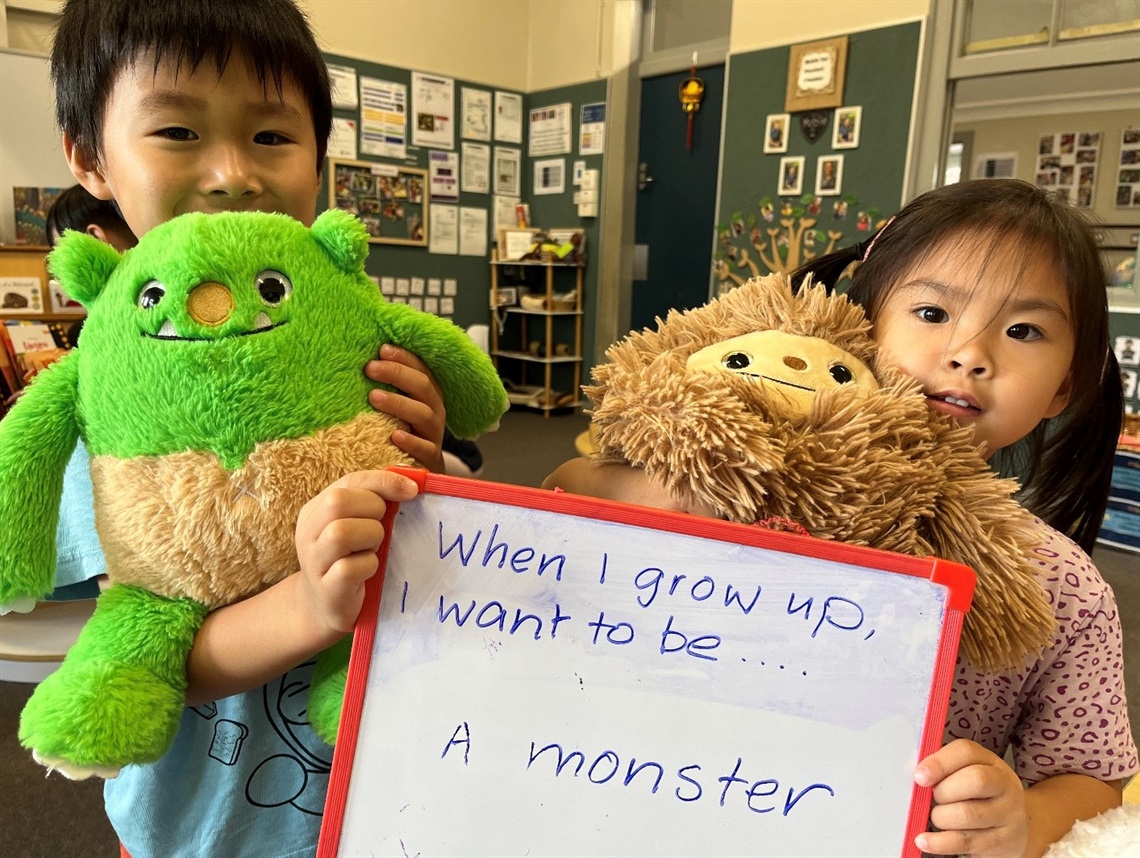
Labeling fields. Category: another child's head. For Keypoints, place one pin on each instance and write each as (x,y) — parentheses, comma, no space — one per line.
(76,209)
(992,294)
(198,105)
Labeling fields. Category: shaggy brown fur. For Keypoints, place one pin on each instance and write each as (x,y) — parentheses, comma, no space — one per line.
(182,525)
(881,470)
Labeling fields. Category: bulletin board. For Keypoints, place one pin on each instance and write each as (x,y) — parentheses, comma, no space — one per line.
(541,673)
(389,200)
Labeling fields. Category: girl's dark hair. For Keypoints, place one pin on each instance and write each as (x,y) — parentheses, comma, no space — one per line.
(76,209)
(96,39)
(1065,464)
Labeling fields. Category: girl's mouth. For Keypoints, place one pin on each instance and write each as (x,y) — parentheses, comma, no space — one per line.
(954,406)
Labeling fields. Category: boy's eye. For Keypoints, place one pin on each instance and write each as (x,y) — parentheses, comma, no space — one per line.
(273,287)
(933,315)
(179,134)
(1023,332)
(269,138)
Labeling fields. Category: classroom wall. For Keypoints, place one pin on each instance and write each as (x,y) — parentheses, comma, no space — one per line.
(767,23)
(1022,135)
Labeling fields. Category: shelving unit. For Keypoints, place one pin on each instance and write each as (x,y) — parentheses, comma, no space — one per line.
(517,348)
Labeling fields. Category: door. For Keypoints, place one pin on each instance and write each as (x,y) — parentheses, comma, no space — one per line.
(676,200)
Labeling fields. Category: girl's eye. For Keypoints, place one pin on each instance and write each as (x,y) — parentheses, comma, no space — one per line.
(179,134)
(933,315)
(1024,332)
(273,287)
(152,293)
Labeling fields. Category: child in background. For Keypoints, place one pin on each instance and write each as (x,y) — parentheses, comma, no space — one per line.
(76,209)
(991,293)
(224,105)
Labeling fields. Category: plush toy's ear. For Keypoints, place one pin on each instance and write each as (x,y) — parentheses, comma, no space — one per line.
(82,264)
(343,238)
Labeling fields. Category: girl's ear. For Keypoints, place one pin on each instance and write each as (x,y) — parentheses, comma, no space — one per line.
(1061,399)
(343,238)
(82,265)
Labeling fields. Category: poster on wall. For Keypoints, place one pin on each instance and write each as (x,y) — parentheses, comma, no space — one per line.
(506,177)
(592,129)
(1066,165)
(342,139)
(383,118)
(550,129)
(443,169)
(476,110)
(1128,170)
(342,82)
(433,106)
(508,117)
(476,168)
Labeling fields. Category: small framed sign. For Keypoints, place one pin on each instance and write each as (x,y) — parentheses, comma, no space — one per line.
(816,73)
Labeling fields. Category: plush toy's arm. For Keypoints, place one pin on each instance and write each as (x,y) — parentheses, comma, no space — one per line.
(472,392)
(36,440)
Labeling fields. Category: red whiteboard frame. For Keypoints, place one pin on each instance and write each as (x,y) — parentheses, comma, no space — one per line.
(958,580)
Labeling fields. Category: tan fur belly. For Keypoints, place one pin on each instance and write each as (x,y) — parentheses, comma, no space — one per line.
(182,525)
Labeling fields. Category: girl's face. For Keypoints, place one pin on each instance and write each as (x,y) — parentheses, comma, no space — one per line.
(989,336)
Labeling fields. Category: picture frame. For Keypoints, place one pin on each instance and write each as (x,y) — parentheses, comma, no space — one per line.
(791,178)
(845,129)
(515,243)
(389,199)
(816,75)
(829,175)
(776,133)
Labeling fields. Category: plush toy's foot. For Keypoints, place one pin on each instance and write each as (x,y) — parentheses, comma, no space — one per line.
(326,696)
(119,694)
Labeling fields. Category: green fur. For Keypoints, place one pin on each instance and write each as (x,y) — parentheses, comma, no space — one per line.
(129,392)
(330,677)
(127,667)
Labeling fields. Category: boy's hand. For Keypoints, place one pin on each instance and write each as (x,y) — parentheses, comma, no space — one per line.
(338,534)
(420,404)
(979,803)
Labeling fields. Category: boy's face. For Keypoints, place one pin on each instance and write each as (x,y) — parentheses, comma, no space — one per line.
(196,142)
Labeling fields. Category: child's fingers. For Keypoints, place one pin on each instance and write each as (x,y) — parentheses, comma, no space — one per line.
(406,372)
(973,843)
(951,758)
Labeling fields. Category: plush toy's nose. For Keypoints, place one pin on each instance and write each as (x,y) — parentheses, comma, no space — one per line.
(210,304)
(792,362)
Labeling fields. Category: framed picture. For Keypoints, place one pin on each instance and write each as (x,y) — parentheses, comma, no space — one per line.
(389,199)
(816,73)
(845,134)
(776,133)
(829,175)
(22,296)
(515,243)
(791,176)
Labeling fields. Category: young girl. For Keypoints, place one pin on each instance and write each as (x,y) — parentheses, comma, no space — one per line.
(991,293)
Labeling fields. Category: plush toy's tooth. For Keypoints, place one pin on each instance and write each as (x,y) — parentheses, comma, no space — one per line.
(262,321)
(167,330)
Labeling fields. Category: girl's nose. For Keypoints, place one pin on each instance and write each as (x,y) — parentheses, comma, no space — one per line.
(970,356)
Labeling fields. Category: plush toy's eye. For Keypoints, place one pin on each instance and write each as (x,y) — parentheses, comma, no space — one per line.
(841,374)
(737,360)
(273,286)
(151,294)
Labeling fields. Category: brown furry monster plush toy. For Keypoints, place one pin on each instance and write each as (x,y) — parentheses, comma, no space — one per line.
(765,404)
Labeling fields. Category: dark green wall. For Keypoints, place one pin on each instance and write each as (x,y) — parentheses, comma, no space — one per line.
(391,260)
(881,68)
(558,210)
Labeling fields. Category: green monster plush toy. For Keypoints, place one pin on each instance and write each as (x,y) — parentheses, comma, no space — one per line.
(218,388)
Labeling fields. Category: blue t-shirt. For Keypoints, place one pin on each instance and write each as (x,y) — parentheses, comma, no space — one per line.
(246,776)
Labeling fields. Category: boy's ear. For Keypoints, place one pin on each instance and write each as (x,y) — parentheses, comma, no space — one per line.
(85,167)
(83,265)
(343,237)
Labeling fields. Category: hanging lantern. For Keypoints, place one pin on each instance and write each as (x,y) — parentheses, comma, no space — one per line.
(692,90)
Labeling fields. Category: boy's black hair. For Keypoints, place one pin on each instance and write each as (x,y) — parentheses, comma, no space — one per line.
(1065,464)
(96,39)
(76,209)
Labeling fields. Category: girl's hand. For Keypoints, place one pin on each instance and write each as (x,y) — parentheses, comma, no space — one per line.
(338,534)
(979,803)
(419,404)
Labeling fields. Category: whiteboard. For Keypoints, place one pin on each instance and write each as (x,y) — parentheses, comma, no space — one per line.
(31,154)
(546,674)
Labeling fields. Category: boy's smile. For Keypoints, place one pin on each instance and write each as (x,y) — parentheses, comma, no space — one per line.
(988,335)
(194,141)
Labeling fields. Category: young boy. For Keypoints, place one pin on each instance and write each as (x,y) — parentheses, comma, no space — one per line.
(221,105)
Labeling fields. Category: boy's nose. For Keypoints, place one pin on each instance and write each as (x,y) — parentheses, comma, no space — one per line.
(233,173)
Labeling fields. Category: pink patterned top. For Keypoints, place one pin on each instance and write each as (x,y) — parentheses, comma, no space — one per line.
(1065,712)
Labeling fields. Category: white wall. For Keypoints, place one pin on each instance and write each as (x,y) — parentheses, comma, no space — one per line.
(760,24)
